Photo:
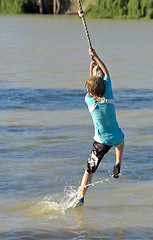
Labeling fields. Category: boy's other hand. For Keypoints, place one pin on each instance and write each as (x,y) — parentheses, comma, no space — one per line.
(92,52)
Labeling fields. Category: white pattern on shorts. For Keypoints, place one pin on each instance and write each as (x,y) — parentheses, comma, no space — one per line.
(93,161)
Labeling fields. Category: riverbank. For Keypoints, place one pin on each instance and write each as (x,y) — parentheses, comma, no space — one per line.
(127,9)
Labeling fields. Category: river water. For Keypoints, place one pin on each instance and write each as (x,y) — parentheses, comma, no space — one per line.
(46,132)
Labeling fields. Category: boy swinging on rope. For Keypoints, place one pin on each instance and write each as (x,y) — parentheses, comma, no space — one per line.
(100,102)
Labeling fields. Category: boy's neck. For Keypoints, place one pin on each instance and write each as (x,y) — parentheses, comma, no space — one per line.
(99,99)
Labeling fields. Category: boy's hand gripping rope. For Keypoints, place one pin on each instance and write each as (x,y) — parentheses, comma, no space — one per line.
(81,14)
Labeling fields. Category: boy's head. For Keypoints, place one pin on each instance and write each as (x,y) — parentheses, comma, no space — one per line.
(95,86)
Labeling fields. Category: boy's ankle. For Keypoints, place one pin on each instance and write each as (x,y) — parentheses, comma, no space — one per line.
(80,196)
(118,164)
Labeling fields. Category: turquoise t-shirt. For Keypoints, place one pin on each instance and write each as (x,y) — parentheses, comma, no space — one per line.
(103,114)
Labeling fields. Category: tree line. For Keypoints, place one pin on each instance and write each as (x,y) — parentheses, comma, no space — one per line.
(121,9)
(34,6)
(99,9)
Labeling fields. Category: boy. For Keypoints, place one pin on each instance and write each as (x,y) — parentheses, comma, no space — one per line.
(100,103)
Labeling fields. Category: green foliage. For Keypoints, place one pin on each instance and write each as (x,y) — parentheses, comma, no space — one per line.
(21,6)
(11,6)
(108,8)
(121,9)
(101,8)
(134,9)
(147,8)
(140,8)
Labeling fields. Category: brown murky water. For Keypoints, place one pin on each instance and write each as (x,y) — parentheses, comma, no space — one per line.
(46,131)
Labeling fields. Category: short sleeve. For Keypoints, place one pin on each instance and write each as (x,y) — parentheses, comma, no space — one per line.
(89,100)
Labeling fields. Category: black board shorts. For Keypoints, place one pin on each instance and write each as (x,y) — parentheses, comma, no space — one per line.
(96,155)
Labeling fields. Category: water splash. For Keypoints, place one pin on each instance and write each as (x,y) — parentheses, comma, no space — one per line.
(70,195)
(52,206)
(61,204)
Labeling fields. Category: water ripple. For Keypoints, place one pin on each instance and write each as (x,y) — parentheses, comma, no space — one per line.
(57,99)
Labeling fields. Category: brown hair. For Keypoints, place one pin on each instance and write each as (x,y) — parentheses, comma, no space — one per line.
(95,86)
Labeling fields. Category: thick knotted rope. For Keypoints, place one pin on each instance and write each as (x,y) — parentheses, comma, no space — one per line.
(81,14)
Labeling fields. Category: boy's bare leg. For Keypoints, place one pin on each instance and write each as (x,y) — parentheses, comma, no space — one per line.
(87,177)
(119,153)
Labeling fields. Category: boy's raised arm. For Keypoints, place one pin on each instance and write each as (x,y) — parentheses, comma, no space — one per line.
(99,61)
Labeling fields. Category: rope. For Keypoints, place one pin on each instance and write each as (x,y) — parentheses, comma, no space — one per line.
(81,14)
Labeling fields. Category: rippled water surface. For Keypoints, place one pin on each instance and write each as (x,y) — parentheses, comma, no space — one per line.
(46,132)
